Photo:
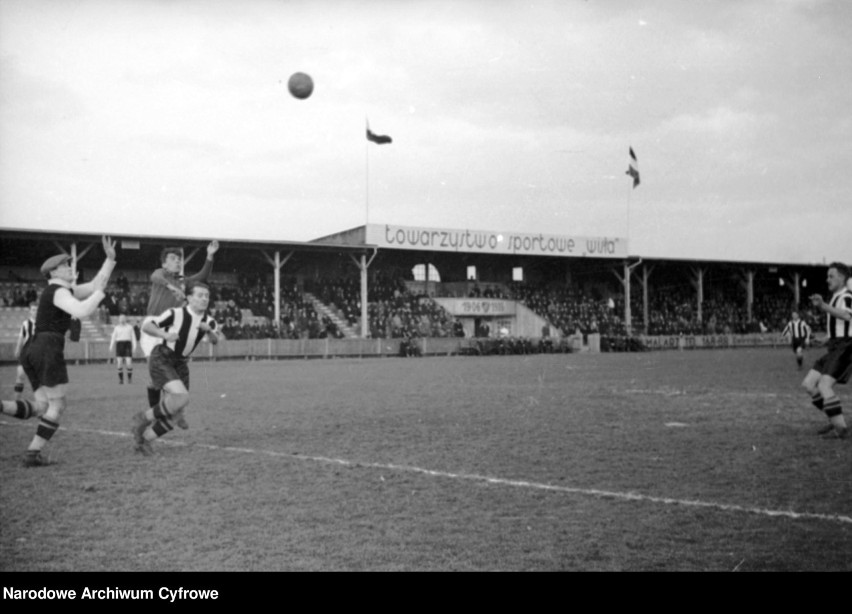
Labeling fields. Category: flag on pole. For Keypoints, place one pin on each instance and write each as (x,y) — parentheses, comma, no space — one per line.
(633,169)
(379,139)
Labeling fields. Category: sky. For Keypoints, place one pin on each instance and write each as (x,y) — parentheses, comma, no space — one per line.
(172,118)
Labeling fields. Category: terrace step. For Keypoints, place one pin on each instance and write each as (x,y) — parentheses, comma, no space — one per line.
(333,315)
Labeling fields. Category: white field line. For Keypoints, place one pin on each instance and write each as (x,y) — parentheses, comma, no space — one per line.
(606,494)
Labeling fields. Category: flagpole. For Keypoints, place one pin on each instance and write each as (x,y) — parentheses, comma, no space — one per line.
(629,190)
(367,177)
(633,172)
(367,183)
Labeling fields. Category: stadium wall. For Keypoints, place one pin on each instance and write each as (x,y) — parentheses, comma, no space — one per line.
(87,350)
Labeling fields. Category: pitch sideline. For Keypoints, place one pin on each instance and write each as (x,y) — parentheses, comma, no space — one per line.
(605,494)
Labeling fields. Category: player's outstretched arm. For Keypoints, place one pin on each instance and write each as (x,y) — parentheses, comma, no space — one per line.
(100,280)
(205,271)
(67,302)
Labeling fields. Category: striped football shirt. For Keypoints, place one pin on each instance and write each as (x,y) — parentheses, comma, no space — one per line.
(27,330)
(838,328)
(185,322)
(798,329)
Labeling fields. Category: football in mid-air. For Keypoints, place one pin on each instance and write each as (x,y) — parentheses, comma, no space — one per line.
(300,85)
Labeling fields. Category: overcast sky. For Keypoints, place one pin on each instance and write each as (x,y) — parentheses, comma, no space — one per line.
(173,118)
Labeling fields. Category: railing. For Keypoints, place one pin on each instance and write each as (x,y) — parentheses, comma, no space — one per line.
(88,350)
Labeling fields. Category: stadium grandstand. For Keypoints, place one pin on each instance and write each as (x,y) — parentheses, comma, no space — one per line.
(381,290)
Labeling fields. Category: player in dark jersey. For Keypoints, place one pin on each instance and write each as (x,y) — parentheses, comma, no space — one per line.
(168,285)
(835,366)
(43,358)
(179,331)
(800,336)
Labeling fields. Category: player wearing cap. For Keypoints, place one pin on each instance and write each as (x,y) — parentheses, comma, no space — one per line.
(43,358)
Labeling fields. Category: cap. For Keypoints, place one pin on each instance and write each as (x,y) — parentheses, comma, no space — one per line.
(53,262)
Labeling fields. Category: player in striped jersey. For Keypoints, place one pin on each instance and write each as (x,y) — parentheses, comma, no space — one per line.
(24,335)
(835,366)
(168,285)
(180,330)
(800,336)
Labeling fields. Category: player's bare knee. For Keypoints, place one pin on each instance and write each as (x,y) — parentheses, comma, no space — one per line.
(54,409)
(826,387)
(40,407)
(178,400)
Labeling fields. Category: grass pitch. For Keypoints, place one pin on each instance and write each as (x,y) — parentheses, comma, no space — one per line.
(667,461)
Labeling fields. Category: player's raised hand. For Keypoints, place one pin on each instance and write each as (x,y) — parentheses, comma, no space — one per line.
(213,247)
(109,247)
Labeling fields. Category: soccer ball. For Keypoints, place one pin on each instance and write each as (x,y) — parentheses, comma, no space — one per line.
(300,85)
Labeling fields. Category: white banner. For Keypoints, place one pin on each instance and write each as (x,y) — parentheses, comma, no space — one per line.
(486,241)
(477,307)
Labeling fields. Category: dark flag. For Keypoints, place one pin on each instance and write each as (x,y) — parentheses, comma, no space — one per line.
(633,169)
(380,139)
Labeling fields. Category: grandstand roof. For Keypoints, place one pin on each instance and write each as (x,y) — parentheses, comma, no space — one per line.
(28,247)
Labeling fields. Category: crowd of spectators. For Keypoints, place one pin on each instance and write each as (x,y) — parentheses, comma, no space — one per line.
(248,312)
(393,312)
(672,311)
(18,295)
(246,309)
(570,309)
(396,313)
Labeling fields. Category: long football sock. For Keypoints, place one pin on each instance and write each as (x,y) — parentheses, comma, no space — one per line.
(45,430)
(834,412)
(817,401)
(22,410)
(153,396)
(159,411)
(158,429)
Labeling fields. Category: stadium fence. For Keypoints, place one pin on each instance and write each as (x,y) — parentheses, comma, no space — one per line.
(87,350)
